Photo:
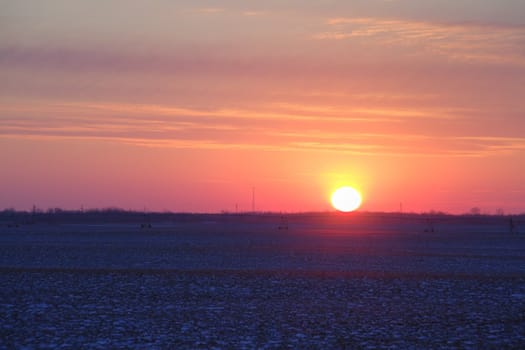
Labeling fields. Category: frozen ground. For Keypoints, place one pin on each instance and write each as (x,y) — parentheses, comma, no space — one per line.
(242,285)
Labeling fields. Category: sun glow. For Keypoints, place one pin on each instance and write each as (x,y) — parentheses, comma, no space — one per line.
(346,199)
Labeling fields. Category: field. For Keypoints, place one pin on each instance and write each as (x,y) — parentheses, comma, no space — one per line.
(240,282)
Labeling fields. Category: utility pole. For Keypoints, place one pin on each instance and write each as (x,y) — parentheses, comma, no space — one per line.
(253,199)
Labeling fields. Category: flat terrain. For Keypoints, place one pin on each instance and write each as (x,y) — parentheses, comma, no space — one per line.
(333,282)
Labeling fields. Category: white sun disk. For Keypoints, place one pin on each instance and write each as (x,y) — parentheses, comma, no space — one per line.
(346,199)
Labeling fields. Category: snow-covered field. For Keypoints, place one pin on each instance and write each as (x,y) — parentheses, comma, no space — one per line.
(245,285)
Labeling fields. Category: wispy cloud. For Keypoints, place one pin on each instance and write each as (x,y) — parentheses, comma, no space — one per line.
(277,127)
(460,41)
(272,112)
(208,10)
(187,60)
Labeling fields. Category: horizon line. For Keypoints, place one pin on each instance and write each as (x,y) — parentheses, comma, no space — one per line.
(54,211)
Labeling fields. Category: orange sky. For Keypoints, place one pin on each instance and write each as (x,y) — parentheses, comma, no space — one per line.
(186,106)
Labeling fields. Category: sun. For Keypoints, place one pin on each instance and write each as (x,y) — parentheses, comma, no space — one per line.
(346,199)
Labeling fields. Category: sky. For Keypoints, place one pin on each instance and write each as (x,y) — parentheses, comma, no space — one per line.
(193,106)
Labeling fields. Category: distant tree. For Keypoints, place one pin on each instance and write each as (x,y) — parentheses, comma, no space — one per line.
(9,211)
(475,211)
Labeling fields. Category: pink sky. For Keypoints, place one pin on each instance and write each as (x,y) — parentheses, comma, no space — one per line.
(188,105)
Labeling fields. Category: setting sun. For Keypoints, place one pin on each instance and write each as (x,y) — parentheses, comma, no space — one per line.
(346,199)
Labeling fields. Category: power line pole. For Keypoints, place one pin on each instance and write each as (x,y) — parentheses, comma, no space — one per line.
(253,199)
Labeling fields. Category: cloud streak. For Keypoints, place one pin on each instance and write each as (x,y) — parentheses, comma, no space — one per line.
(281,127)
(459,41)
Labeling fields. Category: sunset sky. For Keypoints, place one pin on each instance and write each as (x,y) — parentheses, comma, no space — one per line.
(188,105)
